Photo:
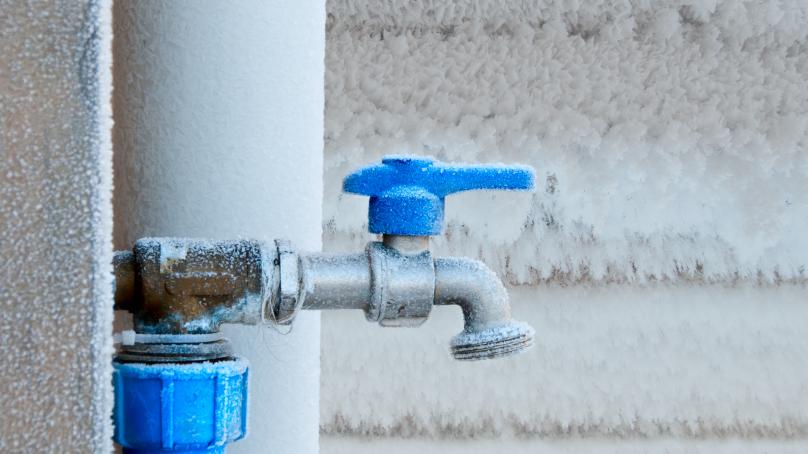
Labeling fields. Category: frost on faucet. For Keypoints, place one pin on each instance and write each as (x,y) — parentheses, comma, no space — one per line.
(178,286)
(180,291)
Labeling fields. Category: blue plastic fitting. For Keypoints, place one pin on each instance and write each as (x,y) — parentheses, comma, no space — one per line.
(180,408)
(407,192)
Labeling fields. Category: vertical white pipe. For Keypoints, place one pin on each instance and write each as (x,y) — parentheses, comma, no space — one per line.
(219,134)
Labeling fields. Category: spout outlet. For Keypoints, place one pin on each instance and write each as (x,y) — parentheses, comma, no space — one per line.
(489,330)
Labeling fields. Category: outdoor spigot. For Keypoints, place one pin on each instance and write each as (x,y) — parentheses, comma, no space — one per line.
(180,290)
(407,196)
(179,387)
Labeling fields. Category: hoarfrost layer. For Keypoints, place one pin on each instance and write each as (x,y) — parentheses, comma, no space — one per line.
(670,137)
(616,361)
(55,212)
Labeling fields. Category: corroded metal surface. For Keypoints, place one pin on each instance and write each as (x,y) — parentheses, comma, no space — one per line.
(179,286)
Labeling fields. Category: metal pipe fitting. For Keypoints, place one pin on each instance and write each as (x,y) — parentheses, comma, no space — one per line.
(186,286)
(398,287)
(489,330)
(402,286)
(177,286)
(336,281)
(393,288)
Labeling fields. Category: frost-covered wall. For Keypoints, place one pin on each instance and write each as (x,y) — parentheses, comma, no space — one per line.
(56,236)
(670,137)
(662,259)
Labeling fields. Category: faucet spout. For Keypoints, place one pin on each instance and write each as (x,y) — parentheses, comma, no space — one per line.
(397,282)
(489,330)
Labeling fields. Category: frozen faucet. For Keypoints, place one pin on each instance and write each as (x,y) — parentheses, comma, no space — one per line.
(181,290)
(406,206)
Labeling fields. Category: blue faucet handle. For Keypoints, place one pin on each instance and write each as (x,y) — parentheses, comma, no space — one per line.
(407,192)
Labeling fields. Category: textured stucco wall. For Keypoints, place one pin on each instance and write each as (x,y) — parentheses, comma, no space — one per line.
(55,239)
(662,259)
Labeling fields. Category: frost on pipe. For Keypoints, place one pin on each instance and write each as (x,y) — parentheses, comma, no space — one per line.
(184,288)
(190,286)
(489,331)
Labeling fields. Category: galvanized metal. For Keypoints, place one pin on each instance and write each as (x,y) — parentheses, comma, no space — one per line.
(489,330)
(402,286)
(189,287)
(336,281)
(393,288)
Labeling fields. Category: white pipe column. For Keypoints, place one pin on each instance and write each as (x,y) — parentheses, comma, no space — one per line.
(219,134)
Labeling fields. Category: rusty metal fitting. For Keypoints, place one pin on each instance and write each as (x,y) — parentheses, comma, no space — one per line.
(187,286)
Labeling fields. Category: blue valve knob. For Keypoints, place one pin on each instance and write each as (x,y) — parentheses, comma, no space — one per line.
(407,192)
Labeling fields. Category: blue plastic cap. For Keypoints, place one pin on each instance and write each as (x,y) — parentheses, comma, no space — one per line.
(407,192)
(180,408)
